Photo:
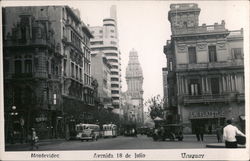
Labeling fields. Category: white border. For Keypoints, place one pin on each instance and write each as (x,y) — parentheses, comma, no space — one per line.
(168,154)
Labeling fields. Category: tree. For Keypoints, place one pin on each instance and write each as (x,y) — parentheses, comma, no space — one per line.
(155,107)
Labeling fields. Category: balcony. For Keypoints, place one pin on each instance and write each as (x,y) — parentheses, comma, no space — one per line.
(202,66)
(204,29)
(22,75)
(240,97)
(208,98)
(28,42)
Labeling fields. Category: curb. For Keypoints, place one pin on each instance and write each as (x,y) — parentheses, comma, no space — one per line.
(221,145)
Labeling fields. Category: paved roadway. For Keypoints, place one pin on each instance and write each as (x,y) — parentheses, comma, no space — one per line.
(119,143)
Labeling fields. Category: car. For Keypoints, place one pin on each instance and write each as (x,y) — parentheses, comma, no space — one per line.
(168,131)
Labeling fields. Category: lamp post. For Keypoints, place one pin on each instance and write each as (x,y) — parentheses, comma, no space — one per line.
(13,113)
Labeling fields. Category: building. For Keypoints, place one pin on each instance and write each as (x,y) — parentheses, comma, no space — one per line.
(101,72)
(106,40)
(205,71)
(134,78)
(32,76)
(47,55)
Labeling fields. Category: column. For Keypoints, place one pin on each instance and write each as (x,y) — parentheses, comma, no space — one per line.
(223,83)
(236,82)
(178,85)
(183,85)
(203,85)
(186,86)
(232,82)
(207,90)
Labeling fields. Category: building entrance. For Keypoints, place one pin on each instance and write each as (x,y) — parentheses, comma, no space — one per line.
(209,124)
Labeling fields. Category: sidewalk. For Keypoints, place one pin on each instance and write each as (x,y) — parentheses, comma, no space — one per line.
(221,145)
(41,142)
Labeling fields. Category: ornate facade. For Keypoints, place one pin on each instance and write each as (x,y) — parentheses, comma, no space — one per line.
(47,55)
(134,78)
(205,71)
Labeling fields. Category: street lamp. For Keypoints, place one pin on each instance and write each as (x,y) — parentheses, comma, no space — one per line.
(13,113)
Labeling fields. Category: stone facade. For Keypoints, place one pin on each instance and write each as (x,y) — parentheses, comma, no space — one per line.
(101,72)
(47,54)
(134,78)
(205,71)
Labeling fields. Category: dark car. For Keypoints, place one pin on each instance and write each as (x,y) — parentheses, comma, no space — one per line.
(169,131)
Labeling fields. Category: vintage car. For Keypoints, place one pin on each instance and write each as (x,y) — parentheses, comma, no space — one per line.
(168,131)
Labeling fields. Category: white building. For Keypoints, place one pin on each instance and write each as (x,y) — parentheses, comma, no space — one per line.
(106,40)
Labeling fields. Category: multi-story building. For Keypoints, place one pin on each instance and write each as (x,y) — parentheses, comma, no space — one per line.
(106,40)
(58,45)
(32,63)
(205,71)
(134,78)
(101,72)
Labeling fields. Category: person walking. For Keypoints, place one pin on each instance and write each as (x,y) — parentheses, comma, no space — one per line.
(197,132)
(34,139)
(229,135)
(219,134)
(202,130)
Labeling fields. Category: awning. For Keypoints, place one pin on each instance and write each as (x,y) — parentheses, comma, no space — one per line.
(158,119)
(242,117)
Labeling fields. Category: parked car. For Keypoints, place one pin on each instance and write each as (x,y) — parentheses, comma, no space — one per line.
(168,131)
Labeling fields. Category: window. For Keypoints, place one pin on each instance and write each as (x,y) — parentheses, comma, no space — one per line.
(114,85)
(184,24)
(114,92)
(6,66)
(114,79)
(215,87)
(100,31)
(18,66)
(28,66)
(237,53)
(171,66)
(194,87)
(76,72)
(80,74)
(105,83)
(114,73)
(64,66)
(192,55)
(72,69)
(112,30)
(212,53)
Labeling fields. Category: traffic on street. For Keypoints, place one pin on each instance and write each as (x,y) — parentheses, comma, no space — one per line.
(118,143)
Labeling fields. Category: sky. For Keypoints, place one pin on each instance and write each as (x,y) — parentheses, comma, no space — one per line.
(144,26)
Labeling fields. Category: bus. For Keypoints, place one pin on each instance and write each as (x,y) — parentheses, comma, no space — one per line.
(87,132)
(109,130)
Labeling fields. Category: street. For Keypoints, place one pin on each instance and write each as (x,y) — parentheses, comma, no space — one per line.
(118,143)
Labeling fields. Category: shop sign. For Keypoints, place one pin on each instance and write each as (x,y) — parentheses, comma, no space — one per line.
(41,118)
(207,114)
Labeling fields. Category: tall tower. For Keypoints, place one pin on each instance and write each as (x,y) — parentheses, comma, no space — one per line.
(106,41)
(134,78)
(184,15)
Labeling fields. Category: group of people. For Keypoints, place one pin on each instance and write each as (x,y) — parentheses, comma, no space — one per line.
(229,134)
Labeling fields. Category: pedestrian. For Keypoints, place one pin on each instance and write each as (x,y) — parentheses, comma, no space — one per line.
(219,134)
(229,135)
(34,139)
(201,132)
(197,133)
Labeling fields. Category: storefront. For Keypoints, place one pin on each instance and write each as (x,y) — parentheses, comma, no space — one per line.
(209,120)
(210,116)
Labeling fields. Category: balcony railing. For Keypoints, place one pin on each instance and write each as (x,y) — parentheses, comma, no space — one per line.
(30,42)
(208,98)
(200,29)
(239,62)
(240,97)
